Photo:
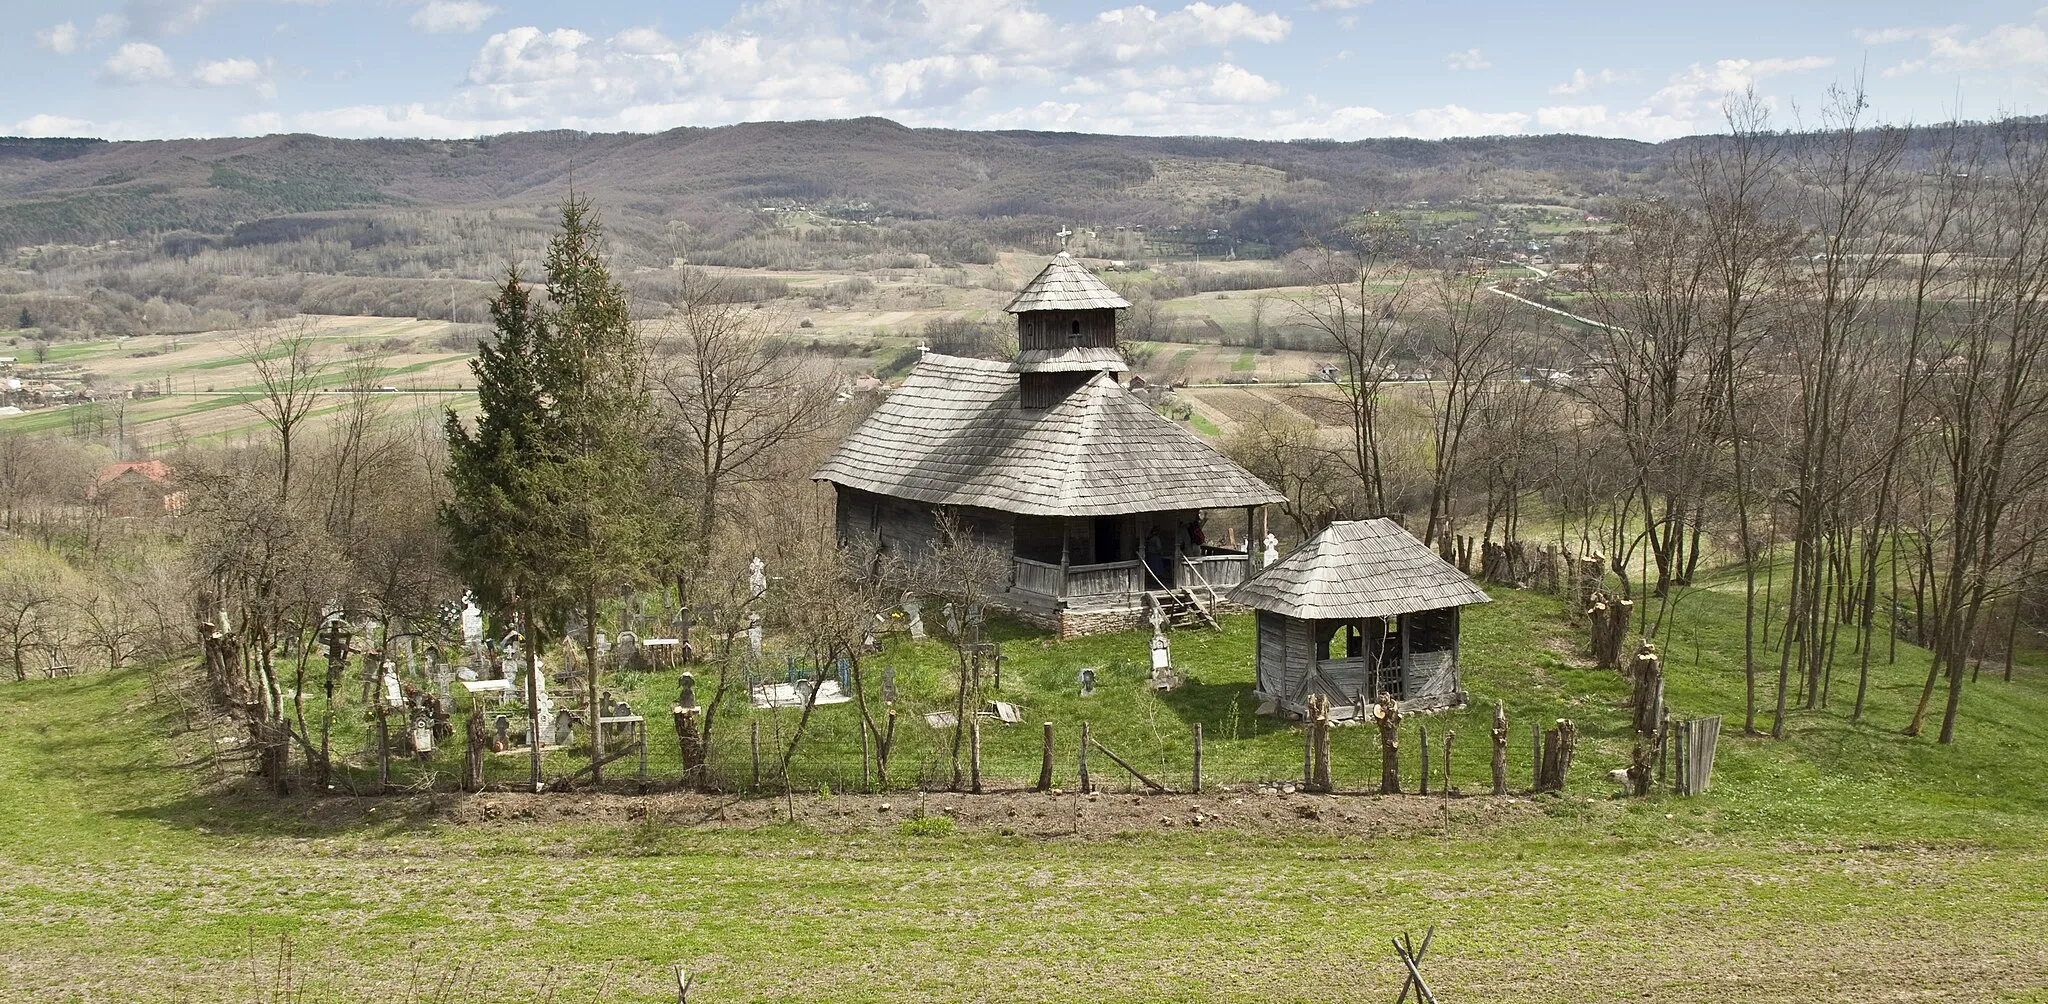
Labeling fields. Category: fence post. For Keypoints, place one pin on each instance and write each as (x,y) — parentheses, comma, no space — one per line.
(383,748)
(1422,740)
(643,755)
(974,754)
(1197,785)
(1500,749)
(1085,786)
(863,726)
(1045,764)
(754,746)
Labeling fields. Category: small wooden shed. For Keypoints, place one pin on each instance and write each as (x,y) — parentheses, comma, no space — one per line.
(1360,609)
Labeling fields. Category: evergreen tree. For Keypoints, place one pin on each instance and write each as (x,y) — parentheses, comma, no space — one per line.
(492,510)
(551,507)
(26,321)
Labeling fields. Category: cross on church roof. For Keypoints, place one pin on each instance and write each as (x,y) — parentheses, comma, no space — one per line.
(1063,235)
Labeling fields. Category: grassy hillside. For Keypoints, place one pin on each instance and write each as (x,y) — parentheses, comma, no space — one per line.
(1845,863)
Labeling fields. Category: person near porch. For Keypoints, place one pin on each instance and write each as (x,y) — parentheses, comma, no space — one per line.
(1158,557)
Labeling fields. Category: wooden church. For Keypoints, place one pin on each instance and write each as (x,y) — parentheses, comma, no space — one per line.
(1101,502)
(1360,609)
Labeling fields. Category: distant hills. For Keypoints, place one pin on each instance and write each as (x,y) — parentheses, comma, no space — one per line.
(714,182)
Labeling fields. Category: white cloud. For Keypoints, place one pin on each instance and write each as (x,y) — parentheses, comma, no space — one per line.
(137,63)
(1581,81)
(1470,59)
(2007,46)
(227,73)
(1239,86)
(235,73)
(441,16)
(60,38)
(1337,4)
(50,125)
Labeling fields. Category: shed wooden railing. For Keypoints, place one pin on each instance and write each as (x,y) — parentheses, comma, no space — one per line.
(1216,573)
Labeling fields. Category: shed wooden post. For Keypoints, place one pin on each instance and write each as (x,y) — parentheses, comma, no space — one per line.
(1066,536)
(1045,764)
(1196,784)
(1085,786)
(1254,548)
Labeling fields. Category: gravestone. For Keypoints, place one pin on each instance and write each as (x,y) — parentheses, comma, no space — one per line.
(952,621)
(540,701)
(1272,550)
(501,727)
(472,622)
(757,577)
(913,612)
(1086,678)
(754,634)
(889,684)
(565,728)
(686,690)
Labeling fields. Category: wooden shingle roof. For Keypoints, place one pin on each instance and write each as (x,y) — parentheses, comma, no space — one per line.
(1362,568)
(954,434)
(1072,359)
(1065,284)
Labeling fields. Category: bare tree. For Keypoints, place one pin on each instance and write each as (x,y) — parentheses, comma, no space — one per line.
(1289,453)
(729,398)
(1467,343)
(288,375)
(1357,302)
(29,597)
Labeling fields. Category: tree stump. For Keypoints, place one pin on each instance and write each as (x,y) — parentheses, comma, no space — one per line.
(1558,744)
(1389,716)
(1318,778)
(1646,673)
(1609,620)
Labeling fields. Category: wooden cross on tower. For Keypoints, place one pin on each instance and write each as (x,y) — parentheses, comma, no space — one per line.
(1063,235)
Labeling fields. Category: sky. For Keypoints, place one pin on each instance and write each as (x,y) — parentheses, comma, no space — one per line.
(1264,69)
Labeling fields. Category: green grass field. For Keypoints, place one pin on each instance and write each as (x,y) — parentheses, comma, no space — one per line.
(1845,863)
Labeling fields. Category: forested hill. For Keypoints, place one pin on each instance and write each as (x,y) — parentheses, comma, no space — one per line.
(715,181)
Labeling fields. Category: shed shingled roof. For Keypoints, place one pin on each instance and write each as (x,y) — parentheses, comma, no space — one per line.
(1065,284)
(954,434)
(1361,568)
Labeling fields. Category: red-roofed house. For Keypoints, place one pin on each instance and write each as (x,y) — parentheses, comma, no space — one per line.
(137,488)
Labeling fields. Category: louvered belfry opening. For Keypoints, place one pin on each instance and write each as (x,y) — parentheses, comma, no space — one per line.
(1066,333)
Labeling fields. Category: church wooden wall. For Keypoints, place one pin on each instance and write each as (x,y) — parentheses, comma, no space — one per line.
(906,530)
(1054,329)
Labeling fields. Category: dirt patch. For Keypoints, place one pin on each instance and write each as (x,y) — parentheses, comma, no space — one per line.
(1103,815)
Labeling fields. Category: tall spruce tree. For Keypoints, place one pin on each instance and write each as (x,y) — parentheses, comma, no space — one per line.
(492,512)
(603,526)
(551,508)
